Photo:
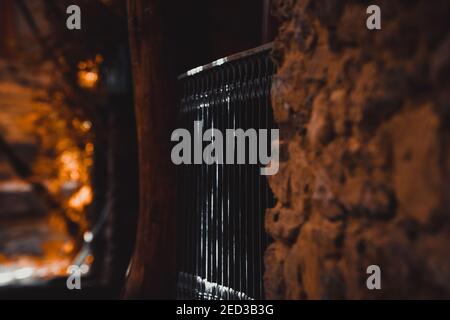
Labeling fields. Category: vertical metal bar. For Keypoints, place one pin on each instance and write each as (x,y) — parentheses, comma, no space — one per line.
(264,183)
(193,184)
(244,204)
(220,224)
(252,179)
(231,184)
(214,189)
(188,214)
(240,182)
(204,210)
(207,125)
(239,247)
(256,243)
(199,170)
(226,206)
(193,110)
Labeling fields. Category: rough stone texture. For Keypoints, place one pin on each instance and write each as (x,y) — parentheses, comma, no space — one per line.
(365,165)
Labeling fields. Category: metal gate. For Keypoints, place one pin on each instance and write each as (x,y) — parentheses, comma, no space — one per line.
(221,238)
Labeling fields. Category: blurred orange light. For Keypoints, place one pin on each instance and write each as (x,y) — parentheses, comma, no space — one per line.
(87,79)
(86,126)
(81,199)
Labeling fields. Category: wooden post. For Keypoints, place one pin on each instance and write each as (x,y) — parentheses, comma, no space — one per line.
(152,273)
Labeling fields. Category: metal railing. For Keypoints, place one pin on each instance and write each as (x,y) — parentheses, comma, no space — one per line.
(221,207)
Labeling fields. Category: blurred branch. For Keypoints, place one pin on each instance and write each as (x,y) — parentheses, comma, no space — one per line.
(35,29)
(24,172)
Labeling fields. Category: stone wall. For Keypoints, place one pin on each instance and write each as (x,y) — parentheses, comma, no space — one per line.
(365,162)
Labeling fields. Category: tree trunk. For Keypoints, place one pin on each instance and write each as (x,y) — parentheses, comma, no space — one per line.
(152,271)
